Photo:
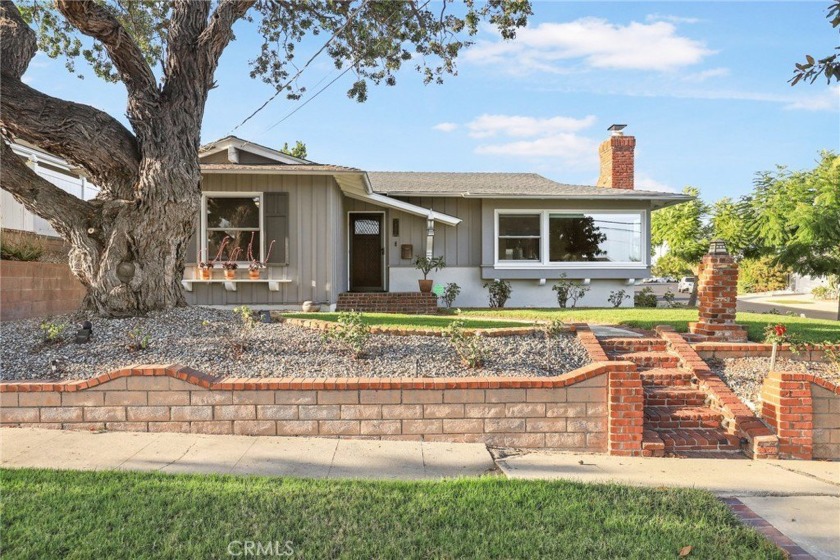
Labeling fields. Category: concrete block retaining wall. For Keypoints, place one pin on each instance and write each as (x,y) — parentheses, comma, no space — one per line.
(805,412)
(584,410)
(37,289)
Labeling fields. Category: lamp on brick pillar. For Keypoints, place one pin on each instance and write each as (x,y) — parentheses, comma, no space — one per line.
(717,289)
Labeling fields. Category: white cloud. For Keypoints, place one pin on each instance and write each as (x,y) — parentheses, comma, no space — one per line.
(594,43)
(645,182)
(671,18)
(704,75)
(827,100)
(566,147)
(486,126)
(445,127)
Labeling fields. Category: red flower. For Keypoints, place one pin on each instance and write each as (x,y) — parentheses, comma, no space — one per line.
(780,330)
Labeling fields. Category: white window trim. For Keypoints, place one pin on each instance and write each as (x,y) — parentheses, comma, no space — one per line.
(230,194)
(544,263)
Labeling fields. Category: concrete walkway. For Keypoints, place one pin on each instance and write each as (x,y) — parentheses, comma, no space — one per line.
(800,498)
(272,456)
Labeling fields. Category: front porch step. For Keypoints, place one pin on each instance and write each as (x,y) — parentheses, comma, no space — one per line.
(697,439)
(662,395)
(681,417)
(633,344)
(647,360)
(652,444)
(667,377)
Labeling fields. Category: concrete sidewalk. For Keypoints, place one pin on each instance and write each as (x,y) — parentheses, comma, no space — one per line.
(800,498)
(272,456)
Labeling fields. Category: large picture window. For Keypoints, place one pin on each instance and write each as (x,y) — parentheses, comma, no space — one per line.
(555,237)
(237,216)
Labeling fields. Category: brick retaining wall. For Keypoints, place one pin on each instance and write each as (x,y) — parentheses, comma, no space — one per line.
(37,289)
(721,350)
(392,302)
(805,412)
(591,409)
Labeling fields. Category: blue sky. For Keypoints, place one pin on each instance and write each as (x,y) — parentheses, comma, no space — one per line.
(702,86)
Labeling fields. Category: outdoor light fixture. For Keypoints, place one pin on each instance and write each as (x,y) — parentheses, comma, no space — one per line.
(430,224)
(717,247)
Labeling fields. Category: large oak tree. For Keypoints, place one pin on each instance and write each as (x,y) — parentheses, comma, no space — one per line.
(128,244)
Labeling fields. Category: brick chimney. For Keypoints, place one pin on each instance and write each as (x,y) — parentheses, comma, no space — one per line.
(617,159)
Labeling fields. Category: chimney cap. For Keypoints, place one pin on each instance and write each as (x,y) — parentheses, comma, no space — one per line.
(617,128)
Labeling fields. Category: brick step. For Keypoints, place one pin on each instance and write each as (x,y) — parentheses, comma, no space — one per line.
(676,417)
(652,444)
(658,395)
(698,439)
(666,377)
(648,360)
(633,344)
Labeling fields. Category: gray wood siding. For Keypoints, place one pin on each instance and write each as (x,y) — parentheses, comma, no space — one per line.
(314,264)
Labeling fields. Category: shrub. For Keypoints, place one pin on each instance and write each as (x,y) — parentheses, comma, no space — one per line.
(139,339)
(469,347)
(645,298)
(670,299)
(761,275)
(350,331)
(499,292)
(554,328)
(823,292)
(247,315)
(450,292)
(53,331)
(426,265)
(617,297)
(568,290)
(20,248)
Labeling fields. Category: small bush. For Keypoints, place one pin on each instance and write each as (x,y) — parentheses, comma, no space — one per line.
(20,248)
(617,297)
(500,291)
(823,292)
(761,275)
(247,315)
(645,298)
(554,328)
(469,347)
(450,292)
(351,331)
(671,299)
(138,339)
(568,290)
(53,331)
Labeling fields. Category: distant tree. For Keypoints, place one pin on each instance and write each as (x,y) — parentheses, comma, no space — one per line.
(684,229)
(828,66)
(671,265)
(728,224)
(795,215)
(298,151)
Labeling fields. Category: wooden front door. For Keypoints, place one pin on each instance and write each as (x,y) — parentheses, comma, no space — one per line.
(367,252)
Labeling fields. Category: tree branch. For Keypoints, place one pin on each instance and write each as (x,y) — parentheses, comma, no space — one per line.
(219,31)
(17,41)
(68,214)
(81,134)
(94,20)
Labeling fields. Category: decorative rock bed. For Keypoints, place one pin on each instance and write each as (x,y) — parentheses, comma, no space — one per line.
(745,376)
(209,340)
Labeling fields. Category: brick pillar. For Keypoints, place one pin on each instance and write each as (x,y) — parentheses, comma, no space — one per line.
(717,292)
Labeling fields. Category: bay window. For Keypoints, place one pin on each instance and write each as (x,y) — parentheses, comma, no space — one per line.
(560,237)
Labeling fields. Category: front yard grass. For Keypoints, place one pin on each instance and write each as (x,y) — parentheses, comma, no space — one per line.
(70,514)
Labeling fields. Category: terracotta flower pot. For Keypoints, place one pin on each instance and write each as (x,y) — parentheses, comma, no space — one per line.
(426,285)
(230,274)
(254,274)
(206,273)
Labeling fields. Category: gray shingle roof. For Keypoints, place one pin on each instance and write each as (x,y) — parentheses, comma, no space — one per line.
(495,185)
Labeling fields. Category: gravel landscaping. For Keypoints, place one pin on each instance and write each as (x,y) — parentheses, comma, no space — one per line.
(211,340)
(746,375)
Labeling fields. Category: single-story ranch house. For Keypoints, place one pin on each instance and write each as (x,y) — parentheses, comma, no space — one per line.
(339,229)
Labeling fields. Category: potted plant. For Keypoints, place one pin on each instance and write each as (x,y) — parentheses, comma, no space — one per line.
(255,266)
(206,267)
(426,265)
(230,265)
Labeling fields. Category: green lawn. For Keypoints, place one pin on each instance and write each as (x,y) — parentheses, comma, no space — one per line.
(809,330)
(67,514)
(415,321)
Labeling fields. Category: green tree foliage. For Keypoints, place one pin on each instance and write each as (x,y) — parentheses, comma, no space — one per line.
(795,215)
(298,151)
(761,274)
(671,265)
(682,228)
(728,224)
(828,66)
